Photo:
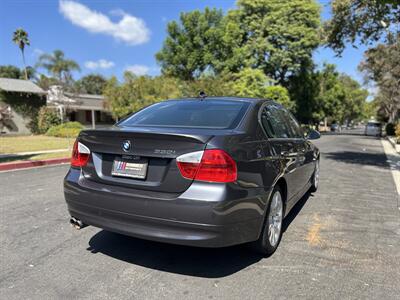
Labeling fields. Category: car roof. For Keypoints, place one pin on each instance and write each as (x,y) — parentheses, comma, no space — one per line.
(228,98)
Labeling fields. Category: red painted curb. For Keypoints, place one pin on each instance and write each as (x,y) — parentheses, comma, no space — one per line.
(33,163)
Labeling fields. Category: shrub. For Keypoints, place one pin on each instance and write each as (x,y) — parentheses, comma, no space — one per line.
(69,129)
(398,133)
(390,129)
(46,119)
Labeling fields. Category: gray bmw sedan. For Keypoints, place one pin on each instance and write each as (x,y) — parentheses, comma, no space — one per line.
(208,172)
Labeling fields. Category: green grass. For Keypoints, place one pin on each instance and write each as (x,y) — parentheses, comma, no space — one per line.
(36,157)
(30,143)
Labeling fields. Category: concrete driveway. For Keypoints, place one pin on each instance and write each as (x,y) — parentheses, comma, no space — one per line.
(342,242)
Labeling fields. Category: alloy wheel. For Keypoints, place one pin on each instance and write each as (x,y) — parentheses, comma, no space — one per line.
(275,217)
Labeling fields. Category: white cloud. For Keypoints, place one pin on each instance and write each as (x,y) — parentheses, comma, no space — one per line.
(129,29)
(138,69)
(99,64)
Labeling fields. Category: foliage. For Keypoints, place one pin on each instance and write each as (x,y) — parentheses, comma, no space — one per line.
(397,131)
(59,66)
(10,71)
(281,95)
(210,84)
(273,36)
(339,97)
(66,130)
(381,66)
(390,129)
(137,92)
(368,20)
(45,82)
(91,84)
(304,88)
(20,37)
(192,45)
(47,117)
(27,105)
(251,83)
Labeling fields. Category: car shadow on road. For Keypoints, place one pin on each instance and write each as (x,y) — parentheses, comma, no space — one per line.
(193,261)
(361,158)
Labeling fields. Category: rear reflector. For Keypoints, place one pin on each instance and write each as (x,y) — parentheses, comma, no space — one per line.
(213,165)
(80,155)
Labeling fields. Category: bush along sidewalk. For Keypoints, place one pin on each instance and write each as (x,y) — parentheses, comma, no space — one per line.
(66,130)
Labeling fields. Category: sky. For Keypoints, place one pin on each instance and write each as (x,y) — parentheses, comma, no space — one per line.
(111,36)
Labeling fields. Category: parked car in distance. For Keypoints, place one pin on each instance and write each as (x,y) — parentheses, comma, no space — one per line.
(210,172)
(335,127)
(373,128)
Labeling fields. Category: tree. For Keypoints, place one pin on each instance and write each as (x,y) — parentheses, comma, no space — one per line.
(355,99)
(45,82)
(381,65)
(366,20)
(20,37)
(192,44)
(10,72)
(57,65)
(137,92)
(91,84)
(254,83)
(274,36)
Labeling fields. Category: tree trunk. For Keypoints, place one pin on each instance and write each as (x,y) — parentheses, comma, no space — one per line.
(23,59)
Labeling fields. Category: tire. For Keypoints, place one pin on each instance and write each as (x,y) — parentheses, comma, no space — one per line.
(315,178)
(271,233)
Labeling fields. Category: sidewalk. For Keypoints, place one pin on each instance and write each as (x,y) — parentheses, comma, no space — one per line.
(9,155)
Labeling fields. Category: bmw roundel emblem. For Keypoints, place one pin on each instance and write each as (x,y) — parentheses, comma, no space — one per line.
(126,145)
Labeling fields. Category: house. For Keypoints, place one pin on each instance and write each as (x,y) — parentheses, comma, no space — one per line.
(89,110)
(18,98)
(20,101)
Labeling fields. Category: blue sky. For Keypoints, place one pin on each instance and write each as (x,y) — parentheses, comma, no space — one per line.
(109,37)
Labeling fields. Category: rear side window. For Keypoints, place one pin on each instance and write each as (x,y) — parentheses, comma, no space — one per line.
(377,125)
(294,127)
(213,114)
(274,122)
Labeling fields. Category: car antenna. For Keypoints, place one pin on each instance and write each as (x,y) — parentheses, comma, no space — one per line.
(202,95)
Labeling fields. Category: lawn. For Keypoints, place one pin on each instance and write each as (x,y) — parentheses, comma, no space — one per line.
(15,144)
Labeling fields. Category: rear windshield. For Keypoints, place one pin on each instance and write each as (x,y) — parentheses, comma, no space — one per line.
(215,114)
(374,124)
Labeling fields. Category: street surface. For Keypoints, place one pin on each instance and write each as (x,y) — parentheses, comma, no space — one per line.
(342,242)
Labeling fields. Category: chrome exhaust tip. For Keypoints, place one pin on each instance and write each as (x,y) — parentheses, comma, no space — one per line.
(76,223)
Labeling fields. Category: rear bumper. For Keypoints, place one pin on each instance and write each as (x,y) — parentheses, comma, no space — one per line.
(205,215)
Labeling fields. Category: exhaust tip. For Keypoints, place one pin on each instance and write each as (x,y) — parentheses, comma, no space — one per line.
(76,223)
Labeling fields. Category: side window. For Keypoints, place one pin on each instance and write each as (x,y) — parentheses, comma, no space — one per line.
(295,130)
(274,123)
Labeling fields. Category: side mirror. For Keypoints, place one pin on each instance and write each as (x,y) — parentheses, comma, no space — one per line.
(313,135)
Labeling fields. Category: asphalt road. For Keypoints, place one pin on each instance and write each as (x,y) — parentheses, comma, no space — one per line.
(342,242)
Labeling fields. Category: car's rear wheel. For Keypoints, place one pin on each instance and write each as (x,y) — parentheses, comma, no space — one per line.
(272,229)
(315,178)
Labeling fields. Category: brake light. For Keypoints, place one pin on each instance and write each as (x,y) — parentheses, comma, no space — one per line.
(212,165)
(80,155)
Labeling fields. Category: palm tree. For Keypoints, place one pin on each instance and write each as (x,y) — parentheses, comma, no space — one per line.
(20,37)
(56,64)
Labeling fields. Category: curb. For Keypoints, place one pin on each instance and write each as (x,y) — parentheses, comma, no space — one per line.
(393,143)
(33,163)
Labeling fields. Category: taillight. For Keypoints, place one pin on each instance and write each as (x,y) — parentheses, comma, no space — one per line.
(212,165)
(80,155)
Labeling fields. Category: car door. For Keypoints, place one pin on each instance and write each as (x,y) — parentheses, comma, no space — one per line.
(304,150)
(282,144)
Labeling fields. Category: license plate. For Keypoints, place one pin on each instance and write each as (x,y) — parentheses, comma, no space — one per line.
(132,169)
